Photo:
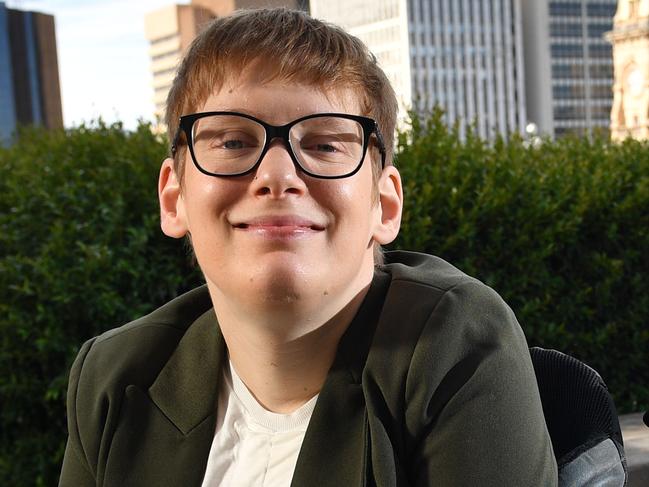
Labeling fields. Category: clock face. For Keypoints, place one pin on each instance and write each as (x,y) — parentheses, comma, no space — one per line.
(635,82)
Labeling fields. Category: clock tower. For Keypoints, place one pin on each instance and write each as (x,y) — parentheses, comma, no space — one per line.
(630,39)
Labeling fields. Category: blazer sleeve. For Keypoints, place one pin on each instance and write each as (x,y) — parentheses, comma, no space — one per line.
(474,407)
(76,470)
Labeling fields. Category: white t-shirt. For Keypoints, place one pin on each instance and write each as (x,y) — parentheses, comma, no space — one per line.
(252,446)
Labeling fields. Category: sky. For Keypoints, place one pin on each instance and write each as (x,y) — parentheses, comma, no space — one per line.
(103,57)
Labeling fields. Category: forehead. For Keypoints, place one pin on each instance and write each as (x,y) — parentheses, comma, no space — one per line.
(278,100)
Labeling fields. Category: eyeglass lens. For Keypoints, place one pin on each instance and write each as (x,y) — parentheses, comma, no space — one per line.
(231,144)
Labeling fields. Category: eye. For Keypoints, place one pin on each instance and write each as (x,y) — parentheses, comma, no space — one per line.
(233,141)
(322,144)
(235,144)
(325,148)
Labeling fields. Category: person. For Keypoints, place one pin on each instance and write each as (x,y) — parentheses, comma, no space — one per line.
(309,357)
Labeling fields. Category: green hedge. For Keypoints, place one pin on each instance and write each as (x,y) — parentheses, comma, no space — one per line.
(560,230)
(80,252)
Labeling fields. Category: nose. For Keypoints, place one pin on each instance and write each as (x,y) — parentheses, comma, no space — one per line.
(277,176)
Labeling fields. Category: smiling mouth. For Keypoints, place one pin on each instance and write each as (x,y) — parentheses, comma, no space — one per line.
(279,226)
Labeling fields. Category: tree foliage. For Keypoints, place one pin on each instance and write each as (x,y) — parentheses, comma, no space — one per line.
(80,252)
(559,229)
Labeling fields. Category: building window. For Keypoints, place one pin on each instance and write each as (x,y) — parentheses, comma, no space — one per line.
(560,29)
(164,72)
(596,31)
(166,55)
(567,50)
(601,111)
(601,9)
(568,92)
(601,71)
(562,131)
(568,71)
(571,112)
(160,40)
(601,92)
(600,51)
(565,9)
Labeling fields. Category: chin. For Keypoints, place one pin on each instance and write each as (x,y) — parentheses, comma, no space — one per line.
(280,294)
(282,297)
(284,279)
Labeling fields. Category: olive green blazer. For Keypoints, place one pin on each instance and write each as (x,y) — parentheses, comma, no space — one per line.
(432,385)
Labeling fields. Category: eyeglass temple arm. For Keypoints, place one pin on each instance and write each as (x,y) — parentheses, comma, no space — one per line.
(381,143)
(174,143)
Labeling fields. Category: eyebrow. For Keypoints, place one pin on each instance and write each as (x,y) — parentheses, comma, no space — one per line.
(231,109)
(260,116)
(326,122)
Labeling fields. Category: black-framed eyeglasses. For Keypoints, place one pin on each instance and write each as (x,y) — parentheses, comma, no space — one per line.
(322,145)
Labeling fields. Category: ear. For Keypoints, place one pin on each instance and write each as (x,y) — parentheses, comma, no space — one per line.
(390,206)
(173,219)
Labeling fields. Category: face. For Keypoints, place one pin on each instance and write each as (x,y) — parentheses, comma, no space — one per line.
(277,237)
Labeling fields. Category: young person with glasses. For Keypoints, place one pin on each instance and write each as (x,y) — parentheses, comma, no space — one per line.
(309,358)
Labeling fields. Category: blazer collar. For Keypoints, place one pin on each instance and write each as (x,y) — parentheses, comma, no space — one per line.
(186,390)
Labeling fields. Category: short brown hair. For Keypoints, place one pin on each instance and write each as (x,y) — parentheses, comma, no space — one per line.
(287,45)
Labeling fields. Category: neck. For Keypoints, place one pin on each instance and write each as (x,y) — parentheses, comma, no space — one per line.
(284,364)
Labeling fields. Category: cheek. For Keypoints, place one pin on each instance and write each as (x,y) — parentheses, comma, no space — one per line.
(351,203)
(206,207)
(355,190)
(342,199)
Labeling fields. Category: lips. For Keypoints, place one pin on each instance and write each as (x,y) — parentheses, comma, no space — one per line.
(284,224)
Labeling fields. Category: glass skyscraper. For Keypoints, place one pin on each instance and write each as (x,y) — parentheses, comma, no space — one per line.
(500,63)
(465,56)
(573,79)
(29,77)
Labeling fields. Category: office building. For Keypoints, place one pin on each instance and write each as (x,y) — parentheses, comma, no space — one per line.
(465,56)
(630,39)
(170,30)
(504,64)
(568,65)
(29,74)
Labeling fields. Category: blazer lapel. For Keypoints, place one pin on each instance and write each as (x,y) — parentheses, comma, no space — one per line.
(335,450)
(186,389)
(167,431)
